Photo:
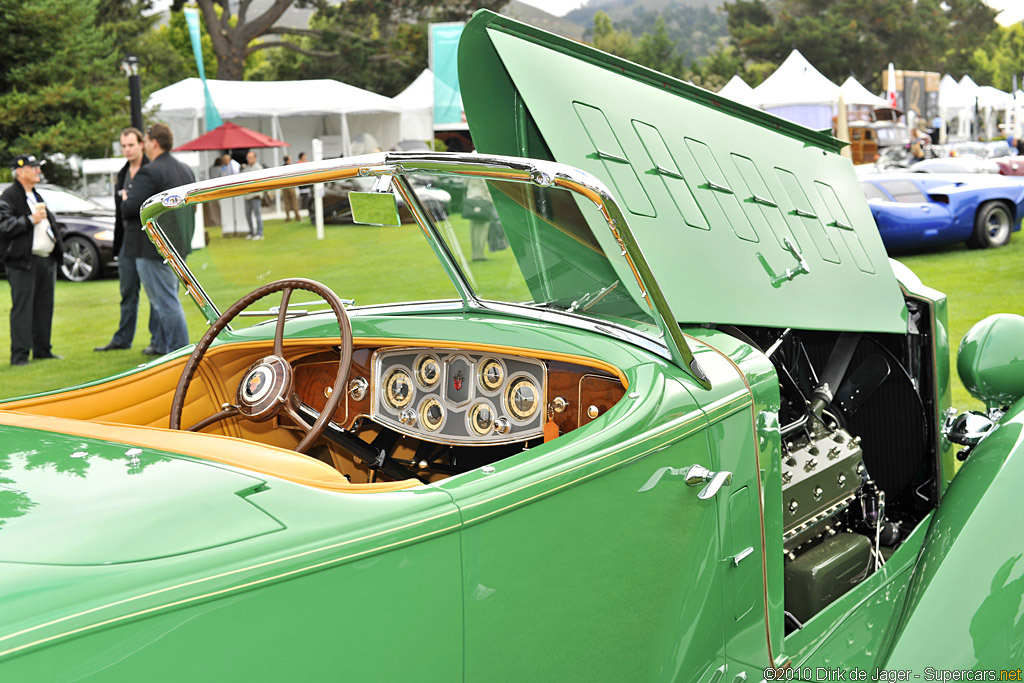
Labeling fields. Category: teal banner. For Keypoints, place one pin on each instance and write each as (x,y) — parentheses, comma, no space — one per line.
(192,19)
(444,49)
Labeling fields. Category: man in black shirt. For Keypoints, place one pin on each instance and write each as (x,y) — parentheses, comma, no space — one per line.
(163,172)
(131,147)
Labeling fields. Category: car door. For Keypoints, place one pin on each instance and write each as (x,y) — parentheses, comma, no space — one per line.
(589,558)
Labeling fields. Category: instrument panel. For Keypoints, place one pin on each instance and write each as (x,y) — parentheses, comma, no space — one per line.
(459,397)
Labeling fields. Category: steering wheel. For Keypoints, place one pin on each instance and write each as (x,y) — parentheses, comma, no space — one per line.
(266,387)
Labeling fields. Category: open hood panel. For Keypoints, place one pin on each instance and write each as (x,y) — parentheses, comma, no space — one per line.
(729,205)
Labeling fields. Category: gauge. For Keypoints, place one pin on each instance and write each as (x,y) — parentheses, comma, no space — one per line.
(431,414)
(522,398)
(428,371)
(491,374)
(398,389)
(481,418)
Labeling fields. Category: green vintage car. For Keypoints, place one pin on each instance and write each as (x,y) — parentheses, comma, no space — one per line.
(689,425)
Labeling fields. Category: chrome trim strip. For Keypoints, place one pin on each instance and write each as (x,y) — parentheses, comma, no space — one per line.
(486,166)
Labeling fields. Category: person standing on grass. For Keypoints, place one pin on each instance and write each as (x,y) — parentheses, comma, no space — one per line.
(30,247)
(163,172)
(305,191)
(290,197)
(254,203)
(131,148)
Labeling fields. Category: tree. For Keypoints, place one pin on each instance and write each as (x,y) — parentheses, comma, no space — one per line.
(607,38)
(658,51)
(342,28)
(850,37)
(60,88)
(1000,58)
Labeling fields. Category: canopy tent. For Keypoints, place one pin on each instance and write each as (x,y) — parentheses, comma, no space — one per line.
(230,136)
(799,92)
(417,103)
(856,95)
(986,101)
(293,111)
(738,90)
(955,104)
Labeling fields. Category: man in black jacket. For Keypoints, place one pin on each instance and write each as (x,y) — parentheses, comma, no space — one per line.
(131,147)
(30,247)
(163,172)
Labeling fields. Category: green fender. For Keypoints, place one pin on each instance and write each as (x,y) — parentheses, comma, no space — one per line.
(963,608)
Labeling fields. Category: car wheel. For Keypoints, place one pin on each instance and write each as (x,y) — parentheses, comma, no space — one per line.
(81,259)
(991,226)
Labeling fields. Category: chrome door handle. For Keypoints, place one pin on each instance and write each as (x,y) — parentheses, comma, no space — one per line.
(697,475)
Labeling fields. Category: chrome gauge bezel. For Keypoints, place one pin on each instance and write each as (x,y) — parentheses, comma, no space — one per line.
(506,397)
(386,388)
(470,415)
(438,372)
(424,405)
(486,387)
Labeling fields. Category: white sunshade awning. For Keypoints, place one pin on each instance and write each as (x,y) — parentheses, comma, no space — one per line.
(952,96)
(855,94)
(796,82)
(235,99)
(738,90)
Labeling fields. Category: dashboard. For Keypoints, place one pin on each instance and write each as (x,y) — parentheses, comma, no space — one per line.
(461,396)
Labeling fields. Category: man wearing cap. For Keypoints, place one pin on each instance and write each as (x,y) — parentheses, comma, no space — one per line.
(30,247)
(163,172)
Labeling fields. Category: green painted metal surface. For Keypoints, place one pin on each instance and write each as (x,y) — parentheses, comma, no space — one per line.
(991,360)
(149,507)
(969,578)
(711,190)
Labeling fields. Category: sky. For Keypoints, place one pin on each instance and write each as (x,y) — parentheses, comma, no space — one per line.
(1012,10)
(557,7)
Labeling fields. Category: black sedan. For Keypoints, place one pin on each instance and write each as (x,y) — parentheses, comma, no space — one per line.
(87,229)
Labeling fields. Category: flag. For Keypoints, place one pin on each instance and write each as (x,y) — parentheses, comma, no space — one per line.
(192,19)
(891,91)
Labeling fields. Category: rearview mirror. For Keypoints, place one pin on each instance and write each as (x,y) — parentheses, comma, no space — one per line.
(374,208)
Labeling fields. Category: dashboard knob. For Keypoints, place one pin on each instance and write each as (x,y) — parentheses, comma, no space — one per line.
(502,425)
(407,417)
(357,388)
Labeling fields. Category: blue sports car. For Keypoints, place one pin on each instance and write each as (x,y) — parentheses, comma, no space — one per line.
(914,210)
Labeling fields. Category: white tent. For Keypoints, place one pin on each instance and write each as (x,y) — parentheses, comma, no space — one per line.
(855,94)
(738,90)
(954,104)
(799,92)
(293,111)
(987,100)
(417,103)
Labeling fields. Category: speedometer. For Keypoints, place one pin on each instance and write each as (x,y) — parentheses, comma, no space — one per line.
(398,389)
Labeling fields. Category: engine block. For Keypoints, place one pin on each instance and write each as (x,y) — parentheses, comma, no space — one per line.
(821,475)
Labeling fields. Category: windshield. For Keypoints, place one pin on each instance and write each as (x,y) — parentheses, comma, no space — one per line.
(496,240)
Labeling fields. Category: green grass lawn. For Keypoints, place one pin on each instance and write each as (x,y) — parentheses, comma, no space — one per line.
(978,283)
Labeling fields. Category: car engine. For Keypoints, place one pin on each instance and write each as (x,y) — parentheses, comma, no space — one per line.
(855,455)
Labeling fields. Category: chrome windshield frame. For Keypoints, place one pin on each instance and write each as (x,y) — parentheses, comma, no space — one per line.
(398,164)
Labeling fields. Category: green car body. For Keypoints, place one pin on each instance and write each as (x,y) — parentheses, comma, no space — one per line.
(664,537)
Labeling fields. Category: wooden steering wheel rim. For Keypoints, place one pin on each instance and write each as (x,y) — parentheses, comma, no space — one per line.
(287,286)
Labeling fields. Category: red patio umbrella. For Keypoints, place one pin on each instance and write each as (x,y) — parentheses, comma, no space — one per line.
(230,136)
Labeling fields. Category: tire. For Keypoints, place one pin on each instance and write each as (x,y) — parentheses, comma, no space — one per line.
(81,260)
(992,226)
